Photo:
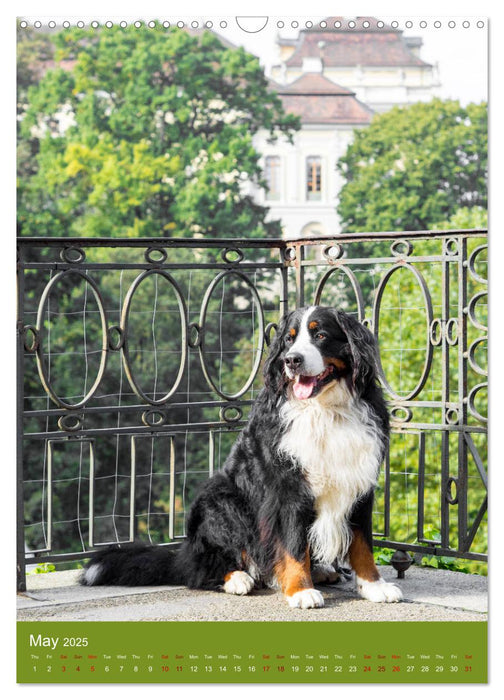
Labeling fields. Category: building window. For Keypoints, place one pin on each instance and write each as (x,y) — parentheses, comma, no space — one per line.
(313,178)
(272,172)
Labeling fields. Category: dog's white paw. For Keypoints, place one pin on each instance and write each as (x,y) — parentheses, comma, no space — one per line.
(238,583)
(379,591)
(307,598)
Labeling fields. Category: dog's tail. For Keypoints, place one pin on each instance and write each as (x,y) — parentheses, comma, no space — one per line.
(133,565)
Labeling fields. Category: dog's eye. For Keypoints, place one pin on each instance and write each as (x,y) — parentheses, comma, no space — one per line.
(289,339)
(321,336)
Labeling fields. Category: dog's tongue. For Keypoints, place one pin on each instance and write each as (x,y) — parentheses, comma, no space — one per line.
(303,387)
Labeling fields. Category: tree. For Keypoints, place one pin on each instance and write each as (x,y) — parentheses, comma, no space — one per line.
(33,51)
(147,131)
(465,217)
(139,131)
(414,166)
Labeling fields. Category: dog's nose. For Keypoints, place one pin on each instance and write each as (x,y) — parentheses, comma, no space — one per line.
(293,360)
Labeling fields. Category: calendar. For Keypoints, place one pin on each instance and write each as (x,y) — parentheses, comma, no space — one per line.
(191,189)
(249,652)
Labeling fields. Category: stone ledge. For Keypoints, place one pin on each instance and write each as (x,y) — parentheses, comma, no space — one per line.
(429,594)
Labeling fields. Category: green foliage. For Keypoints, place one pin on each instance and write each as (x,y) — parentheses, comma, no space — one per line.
(142,131)
(134,132)
(383,555)
(448,563)
(46,568)
(43,568)
(71,346)
(414,166)
(464,218)
(404,332)
(33,49)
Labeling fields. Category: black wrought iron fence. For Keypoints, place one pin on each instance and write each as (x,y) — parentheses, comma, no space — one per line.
(138,360)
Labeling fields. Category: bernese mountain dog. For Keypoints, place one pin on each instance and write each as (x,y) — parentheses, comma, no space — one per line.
(295,494)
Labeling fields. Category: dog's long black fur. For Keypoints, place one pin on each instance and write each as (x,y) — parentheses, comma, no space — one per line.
(259,504)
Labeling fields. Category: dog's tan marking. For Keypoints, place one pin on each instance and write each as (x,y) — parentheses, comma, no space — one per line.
(339,364)
(292,332)
(312,325)
(361,558)
(293,575)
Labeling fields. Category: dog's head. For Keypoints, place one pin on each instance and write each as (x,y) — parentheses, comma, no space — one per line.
(317,346)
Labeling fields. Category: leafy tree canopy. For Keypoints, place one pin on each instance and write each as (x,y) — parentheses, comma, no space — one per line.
(415,166)
(465,217)
(33,50)
(146,131)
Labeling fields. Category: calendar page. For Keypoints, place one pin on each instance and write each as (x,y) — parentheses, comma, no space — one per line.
(252,349)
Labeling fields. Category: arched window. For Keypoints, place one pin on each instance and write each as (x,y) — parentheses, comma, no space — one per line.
(272,173)
(313,178)
(314,229)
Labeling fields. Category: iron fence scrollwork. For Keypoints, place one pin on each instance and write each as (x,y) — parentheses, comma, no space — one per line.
(138,360)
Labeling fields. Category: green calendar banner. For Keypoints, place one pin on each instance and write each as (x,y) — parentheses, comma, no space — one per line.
(251,652)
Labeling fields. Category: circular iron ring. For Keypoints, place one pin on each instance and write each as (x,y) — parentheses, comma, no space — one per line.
(353,281)
(125,328)
(471,357)
(471,405)
(202,324)
(472,262)
(73,255)
(40,330)
(471,311)
(428,346)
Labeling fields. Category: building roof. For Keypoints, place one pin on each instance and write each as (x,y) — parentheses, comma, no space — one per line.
(339,45)
(317,100)
(342,24)
(313,84)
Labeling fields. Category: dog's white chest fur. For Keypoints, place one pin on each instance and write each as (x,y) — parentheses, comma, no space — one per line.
(335,442)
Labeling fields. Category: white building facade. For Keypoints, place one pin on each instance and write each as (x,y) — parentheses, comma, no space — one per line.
(334,76)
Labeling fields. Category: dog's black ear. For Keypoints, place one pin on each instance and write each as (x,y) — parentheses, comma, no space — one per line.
(274,378)
(363,351)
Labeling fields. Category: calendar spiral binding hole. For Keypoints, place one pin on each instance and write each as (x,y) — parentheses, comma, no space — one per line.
(280,24)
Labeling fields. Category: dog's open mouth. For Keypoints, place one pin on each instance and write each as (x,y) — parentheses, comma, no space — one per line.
(304,386)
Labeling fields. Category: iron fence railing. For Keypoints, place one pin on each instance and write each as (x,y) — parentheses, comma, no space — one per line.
(138,360)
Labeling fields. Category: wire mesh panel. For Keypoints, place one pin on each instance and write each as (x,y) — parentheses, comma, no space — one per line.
(418,292)
(138,361)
